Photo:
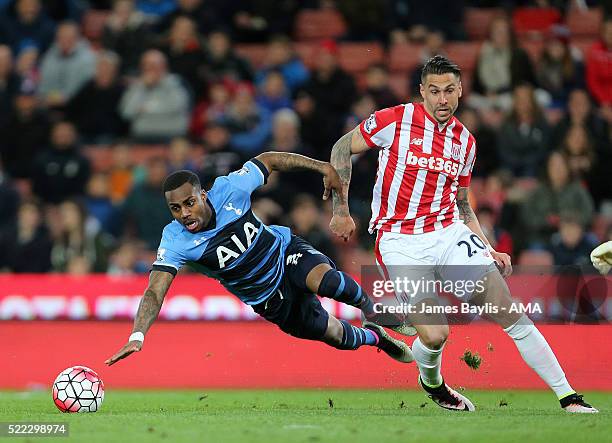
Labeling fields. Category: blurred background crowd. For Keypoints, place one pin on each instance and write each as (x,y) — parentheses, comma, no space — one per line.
(100,100)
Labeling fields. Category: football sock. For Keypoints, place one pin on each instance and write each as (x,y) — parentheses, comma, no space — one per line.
(354,337)
(341,287)
(537,354)
(428,362)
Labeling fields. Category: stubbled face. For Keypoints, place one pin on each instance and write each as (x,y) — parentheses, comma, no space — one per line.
(188,206)
(441,95)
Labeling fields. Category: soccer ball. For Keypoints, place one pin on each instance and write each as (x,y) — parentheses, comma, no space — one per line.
(78,389)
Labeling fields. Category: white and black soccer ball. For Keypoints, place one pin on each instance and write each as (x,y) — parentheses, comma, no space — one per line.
(78,389)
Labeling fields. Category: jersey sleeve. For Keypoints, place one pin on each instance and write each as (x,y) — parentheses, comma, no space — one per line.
(378,129)
(465,176)
(252,175)
(169,258)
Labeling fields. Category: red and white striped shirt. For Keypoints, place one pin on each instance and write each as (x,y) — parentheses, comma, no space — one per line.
(420,165)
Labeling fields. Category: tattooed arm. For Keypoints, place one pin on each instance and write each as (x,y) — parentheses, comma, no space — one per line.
(286,161)
(471,221)
(148,310)
(351,143)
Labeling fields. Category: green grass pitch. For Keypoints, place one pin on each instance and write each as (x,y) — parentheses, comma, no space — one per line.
(314,416)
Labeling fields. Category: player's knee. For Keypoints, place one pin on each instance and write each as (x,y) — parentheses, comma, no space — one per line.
(334,333)
(434,338)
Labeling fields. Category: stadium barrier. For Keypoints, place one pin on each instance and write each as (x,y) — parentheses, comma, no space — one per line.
(244,353)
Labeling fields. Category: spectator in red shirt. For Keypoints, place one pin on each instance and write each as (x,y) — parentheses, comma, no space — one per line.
(599,70)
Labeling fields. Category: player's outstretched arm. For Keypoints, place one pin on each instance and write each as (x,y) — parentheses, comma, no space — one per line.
(351,143)
(471,221)
(148,310)
(287,161)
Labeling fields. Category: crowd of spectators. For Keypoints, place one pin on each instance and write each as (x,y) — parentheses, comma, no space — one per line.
(92,121)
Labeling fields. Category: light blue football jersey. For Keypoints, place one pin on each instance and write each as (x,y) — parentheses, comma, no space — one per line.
(236,247)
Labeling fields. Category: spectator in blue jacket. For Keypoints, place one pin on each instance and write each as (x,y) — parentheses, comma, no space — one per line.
(281,57)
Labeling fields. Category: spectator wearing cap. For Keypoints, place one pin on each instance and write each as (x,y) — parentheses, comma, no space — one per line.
(66,67)
(281,57)
(560,68)
(25,23)
(157,104)
(331,88)
(94,109)
(599,70)
(248,123)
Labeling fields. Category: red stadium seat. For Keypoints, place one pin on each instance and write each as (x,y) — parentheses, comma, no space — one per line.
(254,53)
(464,54)
(356,57)
(478,21)
(92,24)
(316,24)
(404,57)
(534,19)
(584,23)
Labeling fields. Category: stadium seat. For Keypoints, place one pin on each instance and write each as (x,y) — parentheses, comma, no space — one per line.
(584,23)
(92,24)
(404,57)
(464,54)
(534,19)
(478,21)
(254,53)
(535,258)
(356,57)
(316,24)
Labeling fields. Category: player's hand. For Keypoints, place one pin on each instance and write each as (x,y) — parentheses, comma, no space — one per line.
(504,262)
(130,348)
(601,257)
(343,226)
(331,180)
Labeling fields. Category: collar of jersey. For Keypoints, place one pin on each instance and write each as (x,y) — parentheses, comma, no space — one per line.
(212,223)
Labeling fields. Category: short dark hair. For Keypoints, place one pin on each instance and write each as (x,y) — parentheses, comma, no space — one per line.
(438,65)
(179,178)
